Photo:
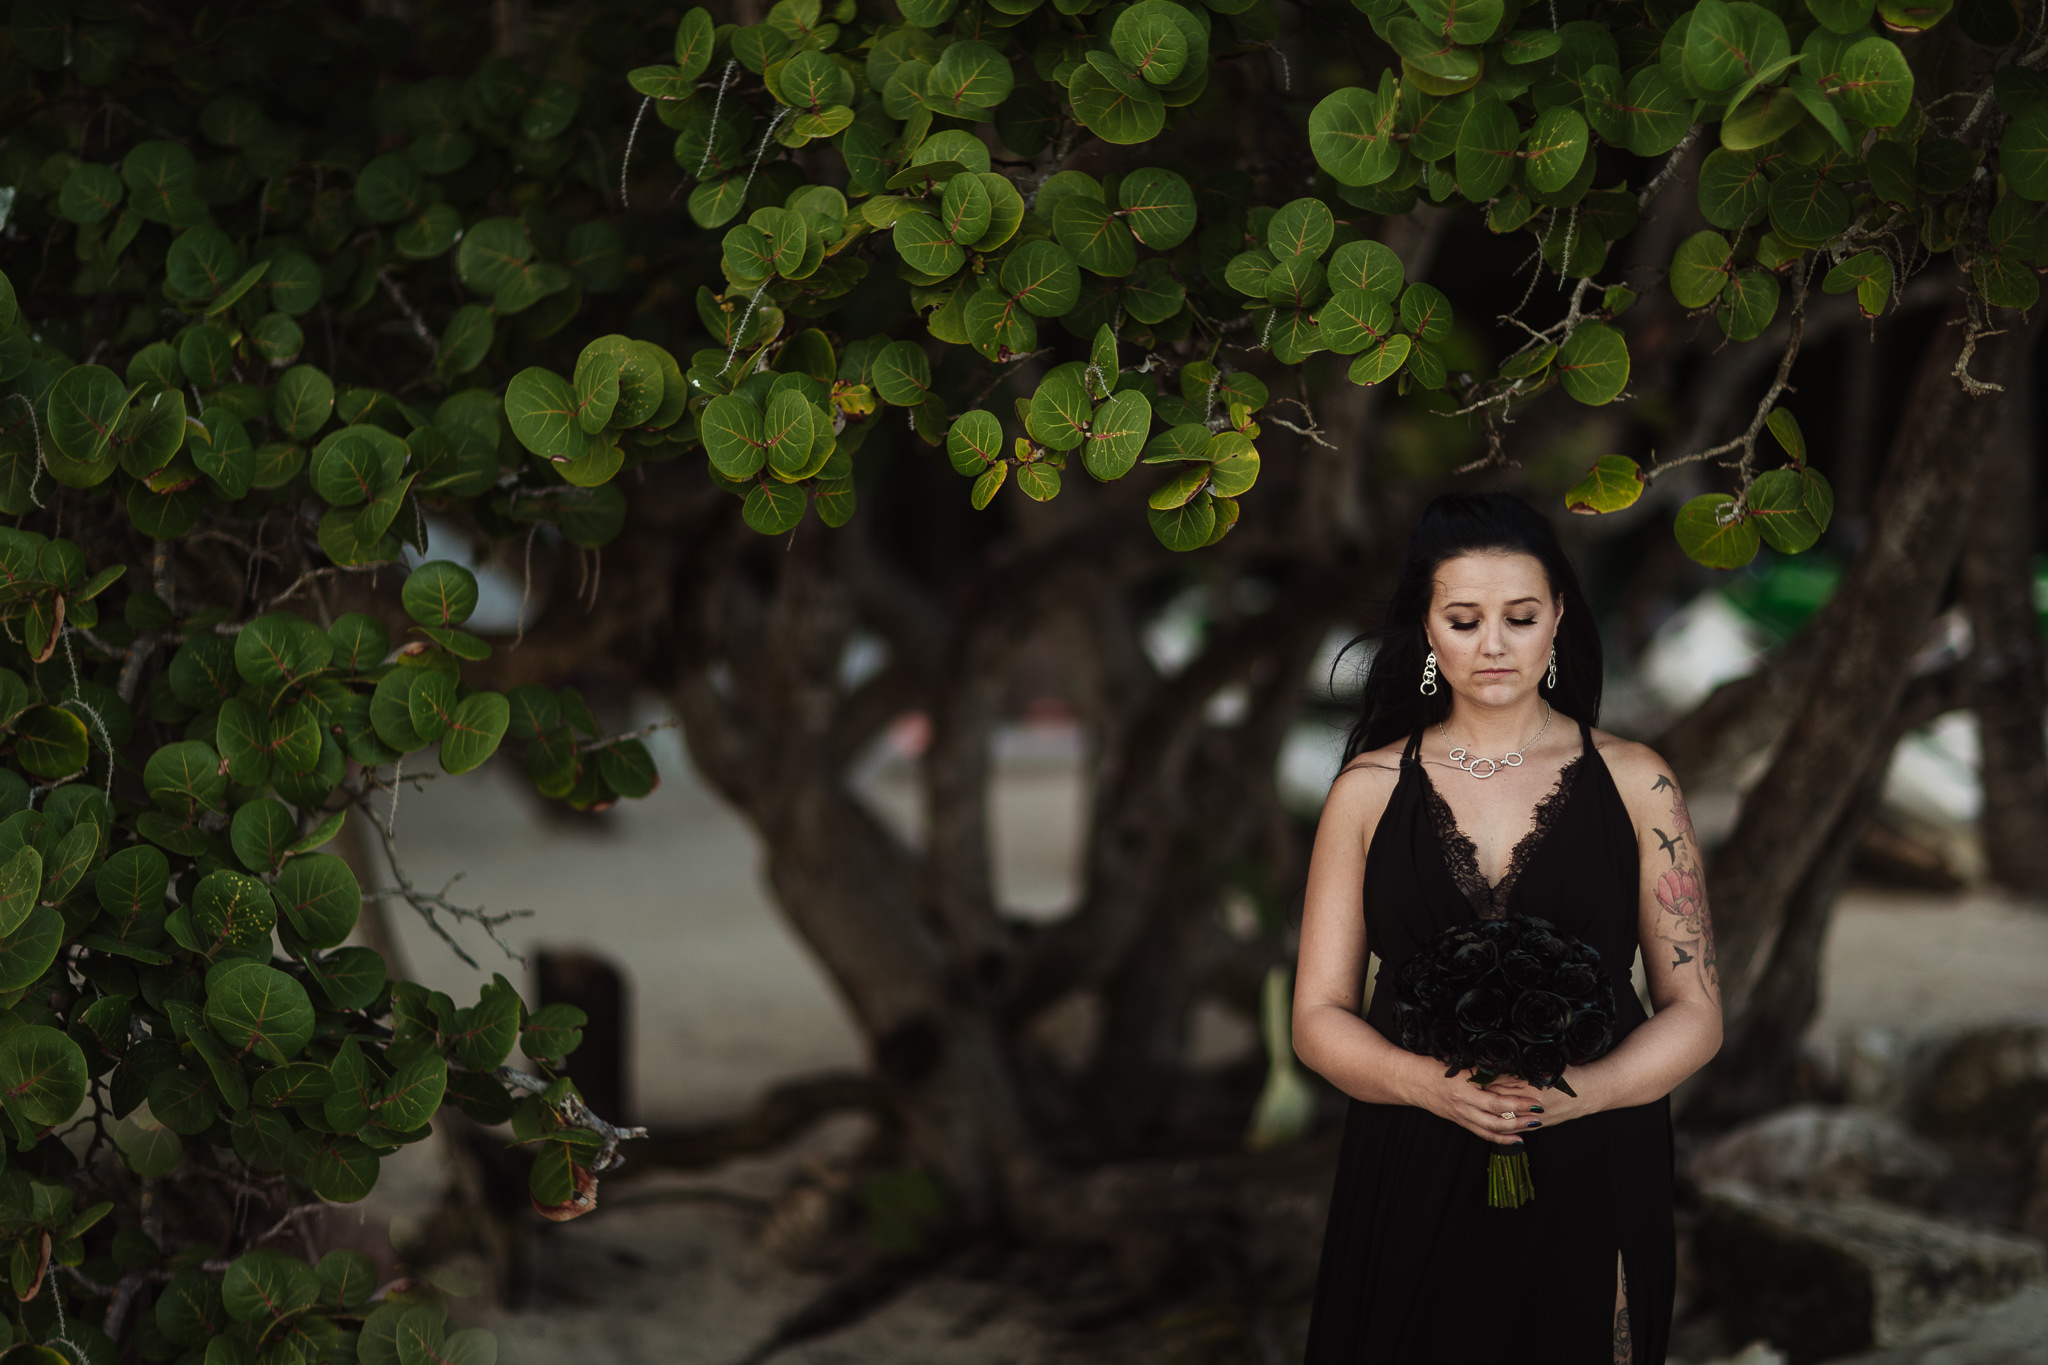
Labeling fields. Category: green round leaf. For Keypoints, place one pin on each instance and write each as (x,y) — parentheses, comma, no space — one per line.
(1351,133)
(1041,276)
(1116,434)
(1778,509)
(1872,83)
(232,910)
(1711,530)
(1807,207)
(280,647)
(969,79)
(1059,411)
(84,405)
(1699,269)
(1749,305)
(541,408)
(974,442)
(1593,364)
(1555,148)
(201,263)
(1096,238)
(388,188)
(1148,39)
(1368,265)
(1733,190)
(267,1286)
(1613,483)
(2023,153)
(1158,205)
(731,429)
(1728,43)
(474,731)
(51,742)
(902,375)
(1303,227)
(1187,526)
(1120,112)
(773,508)
(341,1170)
(260,1009)
(261,832)
(1488,148)
(42,1075)
(926,245)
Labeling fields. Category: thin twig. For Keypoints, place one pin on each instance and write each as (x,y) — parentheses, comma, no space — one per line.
(605,742)
(427,903)
(419,324)
(1669,168)
(577,1114)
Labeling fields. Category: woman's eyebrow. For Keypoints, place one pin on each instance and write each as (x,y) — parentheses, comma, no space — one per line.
(1516,603)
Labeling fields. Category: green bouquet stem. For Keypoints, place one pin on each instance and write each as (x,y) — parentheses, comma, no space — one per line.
(1508,1184)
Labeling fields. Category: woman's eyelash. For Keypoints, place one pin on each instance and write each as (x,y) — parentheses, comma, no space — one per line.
(1512,620)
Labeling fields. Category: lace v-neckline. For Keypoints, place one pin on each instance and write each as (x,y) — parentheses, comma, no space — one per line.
(1461,855)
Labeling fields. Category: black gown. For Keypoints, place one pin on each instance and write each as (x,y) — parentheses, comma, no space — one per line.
(1416,1268)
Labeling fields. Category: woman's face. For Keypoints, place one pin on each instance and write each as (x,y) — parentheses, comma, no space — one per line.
(1491,621)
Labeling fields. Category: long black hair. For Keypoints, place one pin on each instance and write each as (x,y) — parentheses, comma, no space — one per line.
(1459,524)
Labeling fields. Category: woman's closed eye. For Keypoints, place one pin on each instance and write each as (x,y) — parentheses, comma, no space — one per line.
(1512,620)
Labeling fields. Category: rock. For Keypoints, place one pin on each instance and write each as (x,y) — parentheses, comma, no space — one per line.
(2014,1332)
(1822,1153)
(1990,1083)
(1820,1279)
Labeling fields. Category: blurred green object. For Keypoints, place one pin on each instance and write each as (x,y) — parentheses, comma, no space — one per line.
(1782,593)
(1286,1106)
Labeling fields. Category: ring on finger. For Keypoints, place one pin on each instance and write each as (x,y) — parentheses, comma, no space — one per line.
(1507,1113)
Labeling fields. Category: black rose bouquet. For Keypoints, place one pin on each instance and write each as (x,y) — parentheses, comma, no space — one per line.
(1506,997)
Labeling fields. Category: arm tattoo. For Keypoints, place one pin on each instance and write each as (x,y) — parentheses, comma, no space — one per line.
(1680,893)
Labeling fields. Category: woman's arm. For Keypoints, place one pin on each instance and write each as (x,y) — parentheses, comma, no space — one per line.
(1677,937)
(1329,981)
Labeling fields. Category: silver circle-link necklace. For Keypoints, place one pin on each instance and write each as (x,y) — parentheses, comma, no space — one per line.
(1512,759)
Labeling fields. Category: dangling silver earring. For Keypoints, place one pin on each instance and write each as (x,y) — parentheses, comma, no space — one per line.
(1428,688)
(1551,681)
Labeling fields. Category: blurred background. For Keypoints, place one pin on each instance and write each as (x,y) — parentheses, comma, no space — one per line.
(759,1214)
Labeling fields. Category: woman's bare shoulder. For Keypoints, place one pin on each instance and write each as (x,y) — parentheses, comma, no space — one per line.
(1368,779)
(1639,771)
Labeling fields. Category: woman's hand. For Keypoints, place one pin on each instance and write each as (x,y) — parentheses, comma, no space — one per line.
(1476,1109)
(1535,1108)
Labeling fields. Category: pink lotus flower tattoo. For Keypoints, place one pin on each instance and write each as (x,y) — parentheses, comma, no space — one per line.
(1680,816)
(1679,892)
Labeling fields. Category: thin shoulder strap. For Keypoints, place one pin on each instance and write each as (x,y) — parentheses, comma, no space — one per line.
(1414,749)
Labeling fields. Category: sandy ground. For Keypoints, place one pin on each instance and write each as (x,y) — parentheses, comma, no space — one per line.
(725,1002)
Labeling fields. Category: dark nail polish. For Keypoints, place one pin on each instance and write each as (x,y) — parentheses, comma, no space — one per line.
(1535,1123)
(1518,1143)
(1535,1108)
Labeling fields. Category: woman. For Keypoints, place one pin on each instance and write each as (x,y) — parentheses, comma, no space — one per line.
(1474,786)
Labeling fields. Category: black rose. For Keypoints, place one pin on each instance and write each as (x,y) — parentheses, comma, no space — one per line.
(1498,930)
(1540,941)
(1433,989)
(1538,922)
(1539,1016)
(1473,960)
(1586,953)
(1498,1054)
(1524,970)
(1588,1036)
(1408,1025)
(1447,1045)
(1482,1009)
(1575,980)
(1542,1064)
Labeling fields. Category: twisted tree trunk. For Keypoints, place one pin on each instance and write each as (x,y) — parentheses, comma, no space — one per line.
(2008,688)
(1842,730)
